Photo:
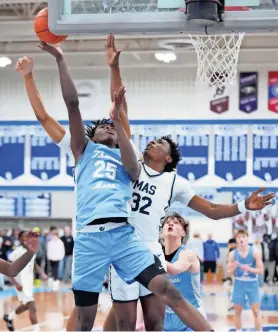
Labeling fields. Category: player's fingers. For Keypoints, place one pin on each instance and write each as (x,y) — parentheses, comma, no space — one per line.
(109,41)
(267,203)
(259,191)
(268,197)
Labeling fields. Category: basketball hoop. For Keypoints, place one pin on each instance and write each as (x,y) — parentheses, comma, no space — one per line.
(217,57)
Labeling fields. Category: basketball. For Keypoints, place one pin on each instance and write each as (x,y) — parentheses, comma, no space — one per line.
(42,31)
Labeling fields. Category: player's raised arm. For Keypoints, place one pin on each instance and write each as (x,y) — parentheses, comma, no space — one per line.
(182,264)
(13,269)
(128,155)
(220,211)
(78,138)
(112,57)
(24,66)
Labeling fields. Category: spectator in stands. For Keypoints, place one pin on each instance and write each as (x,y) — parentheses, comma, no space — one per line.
(66,263)
(211,255)
(196,244)
(268,254)
(275,242)
(55,253)
(232,244)
(2,280)
(41,255)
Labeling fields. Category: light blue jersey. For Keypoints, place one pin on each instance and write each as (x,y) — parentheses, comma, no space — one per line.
(103,186)
(248,260)
(103,192)
(246,286)
(189,285)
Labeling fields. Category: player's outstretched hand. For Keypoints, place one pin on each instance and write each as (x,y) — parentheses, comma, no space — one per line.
(32,243)
(24,65)
(116,106)
(56,51)
(112,54)
(256,202)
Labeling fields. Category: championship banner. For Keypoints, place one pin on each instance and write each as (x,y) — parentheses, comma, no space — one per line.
(194,147)
(12,152)
(45,154)
(273,91)
(230,151)
(220,100)
(248,92)
(265,152)
(150,133)
(25,204)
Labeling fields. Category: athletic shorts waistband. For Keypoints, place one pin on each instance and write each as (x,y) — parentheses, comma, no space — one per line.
(101,227)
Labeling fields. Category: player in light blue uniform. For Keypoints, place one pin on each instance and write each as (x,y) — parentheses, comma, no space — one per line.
(245,263)
(183,267)
(103,176)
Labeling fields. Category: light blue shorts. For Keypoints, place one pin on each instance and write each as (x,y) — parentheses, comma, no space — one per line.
(95,251)
(246,290)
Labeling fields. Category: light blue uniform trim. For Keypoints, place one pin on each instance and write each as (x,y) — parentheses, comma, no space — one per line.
(248,289)
(189,284)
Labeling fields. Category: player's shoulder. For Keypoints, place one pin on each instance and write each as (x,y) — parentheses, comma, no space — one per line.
(189,254)
(232,253)
(256,252)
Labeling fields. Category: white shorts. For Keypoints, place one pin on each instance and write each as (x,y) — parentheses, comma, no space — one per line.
(26,295)
(121,291)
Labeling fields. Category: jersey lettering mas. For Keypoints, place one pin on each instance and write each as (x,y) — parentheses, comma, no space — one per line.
(152,194)
(102,184)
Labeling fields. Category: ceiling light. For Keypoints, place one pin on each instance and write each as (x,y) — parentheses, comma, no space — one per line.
(4,61)
(166,57)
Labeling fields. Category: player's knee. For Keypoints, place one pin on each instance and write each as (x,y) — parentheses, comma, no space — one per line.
(238,310)
(166,290)
(256,312)
(126,323)
(153,323)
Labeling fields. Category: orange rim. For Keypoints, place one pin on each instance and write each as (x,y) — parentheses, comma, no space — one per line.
(227,9)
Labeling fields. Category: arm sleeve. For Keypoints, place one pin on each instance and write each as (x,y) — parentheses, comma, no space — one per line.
(182,192)
(64,144)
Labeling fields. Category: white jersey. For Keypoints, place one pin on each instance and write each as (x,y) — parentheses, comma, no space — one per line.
(26,276)
(153,193)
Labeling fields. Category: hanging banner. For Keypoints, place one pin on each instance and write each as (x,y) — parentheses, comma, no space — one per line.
(230,151)
(12,151)
(150,133)
(273,91)
(25,204)
(194,148)
(248,92)
(220,100)
(265,152)
(45,155)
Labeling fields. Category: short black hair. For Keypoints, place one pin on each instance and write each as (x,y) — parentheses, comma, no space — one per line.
(52,228)
(175,154)
(21,233)
(91,129)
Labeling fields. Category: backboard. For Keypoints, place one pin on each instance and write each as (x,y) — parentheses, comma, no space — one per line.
(154,17)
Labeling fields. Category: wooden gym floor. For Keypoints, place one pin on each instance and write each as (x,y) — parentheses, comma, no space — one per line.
(54,309)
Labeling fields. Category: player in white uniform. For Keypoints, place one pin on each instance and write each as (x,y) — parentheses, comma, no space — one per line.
(156,188)
(24,286)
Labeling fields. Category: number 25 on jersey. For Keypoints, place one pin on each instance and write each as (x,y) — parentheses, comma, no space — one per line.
(105,170)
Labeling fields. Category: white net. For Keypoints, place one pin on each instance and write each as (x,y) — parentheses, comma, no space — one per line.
(217,57)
